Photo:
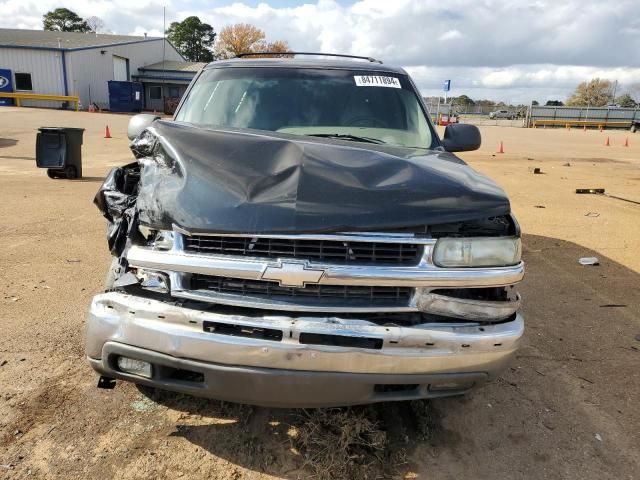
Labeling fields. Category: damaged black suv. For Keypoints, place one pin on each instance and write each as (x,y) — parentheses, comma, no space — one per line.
(299,235)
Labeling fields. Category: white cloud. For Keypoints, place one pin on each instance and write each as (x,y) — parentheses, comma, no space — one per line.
(450,35)
(513,50)
(517,83)
(120,16)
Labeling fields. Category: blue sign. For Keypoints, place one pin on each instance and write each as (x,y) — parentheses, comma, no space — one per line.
(6,85)
(447,85)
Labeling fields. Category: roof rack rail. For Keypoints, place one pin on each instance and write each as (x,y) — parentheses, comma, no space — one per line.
(252,54)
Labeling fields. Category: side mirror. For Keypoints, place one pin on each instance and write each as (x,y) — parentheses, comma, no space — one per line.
(460,137)
(138,123)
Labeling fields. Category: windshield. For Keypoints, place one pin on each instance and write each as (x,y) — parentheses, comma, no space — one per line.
(360,106)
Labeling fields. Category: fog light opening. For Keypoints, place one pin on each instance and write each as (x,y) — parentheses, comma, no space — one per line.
(133,366)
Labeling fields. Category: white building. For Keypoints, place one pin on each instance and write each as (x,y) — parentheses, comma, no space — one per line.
(69,63)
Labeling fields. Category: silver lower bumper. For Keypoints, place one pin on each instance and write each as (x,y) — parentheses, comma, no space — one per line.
(179,332)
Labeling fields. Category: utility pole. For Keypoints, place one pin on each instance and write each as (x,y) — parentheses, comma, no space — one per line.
(164,45)
(615,87)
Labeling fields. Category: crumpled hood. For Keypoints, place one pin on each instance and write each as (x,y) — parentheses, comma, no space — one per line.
(242,182)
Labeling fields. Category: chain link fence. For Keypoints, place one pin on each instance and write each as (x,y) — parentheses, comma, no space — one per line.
(497,114)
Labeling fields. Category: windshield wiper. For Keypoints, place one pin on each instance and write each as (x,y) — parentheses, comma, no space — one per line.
(342,136)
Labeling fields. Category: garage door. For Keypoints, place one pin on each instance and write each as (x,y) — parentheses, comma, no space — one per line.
(120,69)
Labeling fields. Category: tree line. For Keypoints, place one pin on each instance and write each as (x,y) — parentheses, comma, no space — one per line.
(195,40)
(594,93)
(599,93)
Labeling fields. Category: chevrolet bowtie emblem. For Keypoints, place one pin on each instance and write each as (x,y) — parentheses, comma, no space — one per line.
(289,274)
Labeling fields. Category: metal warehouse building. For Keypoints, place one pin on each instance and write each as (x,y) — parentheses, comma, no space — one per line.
(165,83)
(69,63)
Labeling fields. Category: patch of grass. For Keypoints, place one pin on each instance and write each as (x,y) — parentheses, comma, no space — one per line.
(340,443)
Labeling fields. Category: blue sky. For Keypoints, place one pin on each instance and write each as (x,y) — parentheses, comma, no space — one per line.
(514,51)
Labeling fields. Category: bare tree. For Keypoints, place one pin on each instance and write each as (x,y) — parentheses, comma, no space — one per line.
(95,24)
(244,38)
(596,93)
(279,46)
(634,91)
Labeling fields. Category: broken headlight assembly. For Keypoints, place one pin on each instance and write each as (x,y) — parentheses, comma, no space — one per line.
(477,252)
(153,281)
(163,240)
(157,239)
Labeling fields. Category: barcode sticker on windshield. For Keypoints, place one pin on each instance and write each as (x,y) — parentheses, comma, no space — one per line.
(376,81)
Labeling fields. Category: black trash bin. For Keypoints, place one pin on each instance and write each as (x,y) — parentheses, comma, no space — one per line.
(59,150)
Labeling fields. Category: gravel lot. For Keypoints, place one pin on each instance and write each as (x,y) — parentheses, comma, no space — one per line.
(566,409)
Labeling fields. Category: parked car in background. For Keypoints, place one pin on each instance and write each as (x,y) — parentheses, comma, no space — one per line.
(299,236)
(502,114)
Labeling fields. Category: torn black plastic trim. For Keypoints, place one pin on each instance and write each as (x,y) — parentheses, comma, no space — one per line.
(116,199)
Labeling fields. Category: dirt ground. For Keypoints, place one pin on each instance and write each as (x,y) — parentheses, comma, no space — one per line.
(566,409)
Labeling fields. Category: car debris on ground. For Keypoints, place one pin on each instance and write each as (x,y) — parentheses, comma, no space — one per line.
(589,261)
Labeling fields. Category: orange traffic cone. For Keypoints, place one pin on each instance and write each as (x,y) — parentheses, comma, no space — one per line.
(606,144)
(107,133)
(626,142)
(500,148)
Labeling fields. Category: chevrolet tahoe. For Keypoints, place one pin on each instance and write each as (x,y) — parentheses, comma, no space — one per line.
(298,235)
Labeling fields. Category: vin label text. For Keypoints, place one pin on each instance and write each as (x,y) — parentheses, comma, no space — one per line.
(376,81)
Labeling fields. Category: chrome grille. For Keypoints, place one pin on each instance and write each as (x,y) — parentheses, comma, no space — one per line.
(337,251)
(387,296)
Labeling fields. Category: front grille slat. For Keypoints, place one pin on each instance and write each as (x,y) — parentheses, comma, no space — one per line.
(317,250)
(388,296)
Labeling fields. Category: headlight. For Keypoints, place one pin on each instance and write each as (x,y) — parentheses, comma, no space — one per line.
(477,252)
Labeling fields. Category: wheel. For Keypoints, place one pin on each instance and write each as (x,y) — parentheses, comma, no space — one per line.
(52,173)
(71,172)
